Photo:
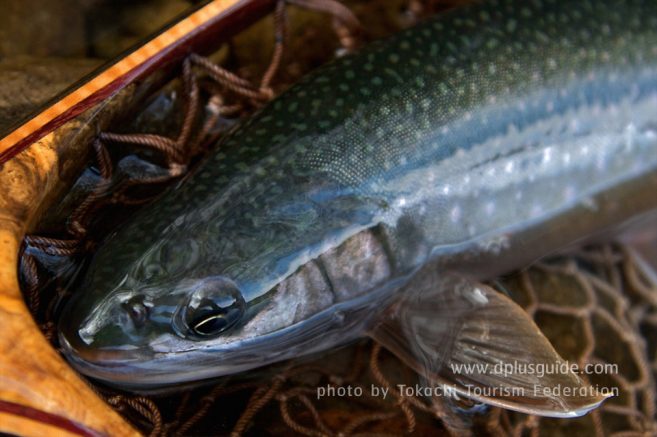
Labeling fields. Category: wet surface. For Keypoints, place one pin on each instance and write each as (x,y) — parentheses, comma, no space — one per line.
(595,306)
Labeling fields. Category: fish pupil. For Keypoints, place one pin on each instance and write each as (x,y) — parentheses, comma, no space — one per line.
(211,325)
(211,319)
(214,306)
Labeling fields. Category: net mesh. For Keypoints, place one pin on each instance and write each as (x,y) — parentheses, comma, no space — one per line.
(597,305)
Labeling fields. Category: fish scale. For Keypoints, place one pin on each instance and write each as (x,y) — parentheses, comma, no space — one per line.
(480,140)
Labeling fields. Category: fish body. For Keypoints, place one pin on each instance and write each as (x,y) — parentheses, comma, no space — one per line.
(475,142)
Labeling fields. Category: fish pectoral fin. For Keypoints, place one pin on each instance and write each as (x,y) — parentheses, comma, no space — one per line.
(472,341)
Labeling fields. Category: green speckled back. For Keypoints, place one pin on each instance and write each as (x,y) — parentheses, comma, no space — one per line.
(366,118)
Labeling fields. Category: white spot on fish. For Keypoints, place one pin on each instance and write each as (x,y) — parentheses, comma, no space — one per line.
(630,135)
(574,125)
(566,158)
(547,155)
(478,296)
(490,208)
(509,167)
(455,214)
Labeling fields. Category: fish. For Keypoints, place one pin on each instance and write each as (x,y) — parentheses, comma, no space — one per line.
(375,196)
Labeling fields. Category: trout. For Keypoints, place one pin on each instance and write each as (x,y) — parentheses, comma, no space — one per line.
(374,195)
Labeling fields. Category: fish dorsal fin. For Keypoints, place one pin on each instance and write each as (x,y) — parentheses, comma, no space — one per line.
(478,343)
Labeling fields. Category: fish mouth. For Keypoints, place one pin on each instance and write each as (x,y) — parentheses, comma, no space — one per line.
(82,355)
(120,368)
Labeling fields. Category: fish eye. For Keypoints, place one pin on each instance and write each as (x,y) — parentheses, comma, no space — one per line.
(215,306)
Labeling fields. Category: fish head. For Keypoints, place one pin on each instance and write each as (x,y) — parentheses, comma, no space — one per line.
(213,293)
